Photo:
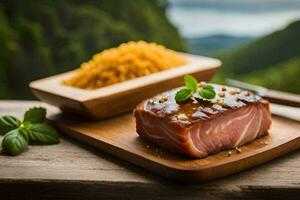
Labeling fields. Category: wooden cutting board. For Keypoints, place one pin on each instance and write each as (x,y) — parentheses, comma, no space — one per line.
(118,137)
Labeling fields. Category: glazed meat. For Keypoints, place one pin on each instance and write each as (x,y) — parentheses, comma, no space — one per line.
(198,128)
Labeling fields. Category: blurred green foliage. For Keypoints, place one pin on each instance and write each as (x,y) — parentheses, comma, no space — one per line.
(284,76)
(264,52)
(41,38)
(272,61)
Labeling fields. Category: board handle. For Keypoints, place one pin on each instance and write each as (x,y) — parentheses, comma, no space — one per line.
(283,98)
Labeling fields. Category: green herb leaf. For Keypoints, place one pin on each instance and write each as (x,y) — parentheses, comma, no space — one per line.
(32,130)
(15,141)
(42,134)
(183,94)
(207,92)
(190,82)
(35,115)
(208,87)
(8,123)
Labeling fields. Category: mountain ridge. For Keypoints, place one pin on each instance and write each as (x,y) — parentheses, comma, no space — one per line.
(264,52)
(211,44)
(272,61)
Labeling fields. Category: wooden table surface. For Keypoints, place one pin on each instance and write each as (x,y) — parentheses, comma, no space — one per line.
(72,170)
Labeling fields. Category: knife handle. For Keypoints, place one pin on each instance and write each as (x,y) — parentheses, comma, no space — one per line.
(283,98)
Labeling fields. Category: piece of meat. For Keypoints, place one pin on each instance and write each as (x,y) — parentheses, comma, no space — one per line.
(198,128)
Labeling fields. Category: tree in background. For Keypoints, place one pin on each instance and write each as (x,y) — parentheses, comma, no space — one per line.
(41,38)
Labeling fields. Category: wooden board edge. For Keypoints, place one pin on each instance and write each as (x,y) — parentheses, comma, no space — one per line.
(184,175)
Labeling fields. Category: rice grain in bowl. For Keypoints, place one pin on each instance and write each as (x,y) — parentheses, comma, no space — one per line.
(127,61)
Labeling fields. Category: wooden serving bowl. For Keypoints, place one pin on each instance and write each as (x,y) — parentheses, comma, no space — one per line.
(121,97)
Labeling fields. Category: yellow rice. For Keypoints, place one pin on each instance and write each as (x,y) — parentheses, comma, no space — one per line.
(127,61)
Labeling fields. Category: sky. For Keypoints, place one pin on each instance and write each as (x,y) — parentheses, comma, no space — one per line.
(232,17)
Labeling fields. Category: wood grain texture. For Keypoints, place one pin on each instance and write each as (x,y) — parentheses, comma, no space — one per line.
(122,97)
(118,137)
(73,170)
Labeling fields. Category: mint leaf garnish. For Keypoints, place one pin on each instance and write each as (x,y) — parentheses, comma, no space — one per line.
(183,94)
(17,134)
(190,82)
(35,115)
(8,123)
(15,142)
(204,93)
(42,134)
(207,92)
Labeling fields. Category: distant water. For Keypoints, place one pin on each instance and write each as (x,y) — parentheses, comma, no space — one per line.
(237,19)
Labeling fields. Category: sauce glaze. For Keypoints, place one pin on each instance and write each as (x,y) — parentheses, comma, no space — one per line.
(194,110)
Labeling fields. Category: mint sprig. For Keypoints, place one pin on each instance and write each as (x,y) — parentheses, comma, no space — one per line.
(15,141)
(32,130)
(183,94)
(191,82)
(8,123)
(35,115)
(204,93)
(207,92)
(41,133)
